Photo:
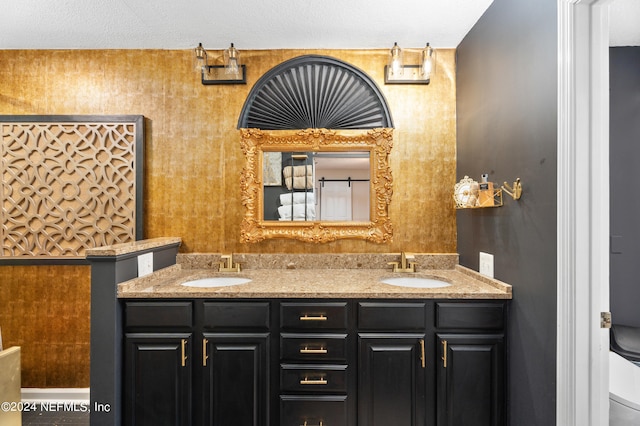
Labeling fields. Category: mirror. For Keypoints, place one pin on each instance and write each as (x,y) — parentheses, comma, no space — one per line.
(309,186)
(316,185)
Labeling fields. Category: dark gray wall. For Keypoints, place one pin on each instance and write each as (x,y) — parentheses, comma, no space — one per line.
(625,198)
(507,121)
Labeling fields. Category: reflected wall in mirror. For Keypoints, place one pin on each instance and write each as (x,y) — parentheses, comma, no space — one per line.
(316,185)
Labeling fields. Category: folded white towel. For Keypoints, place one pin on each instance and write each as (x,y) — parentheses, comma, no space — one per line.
(297,198)
(299,182)
(297,171)
(298,212)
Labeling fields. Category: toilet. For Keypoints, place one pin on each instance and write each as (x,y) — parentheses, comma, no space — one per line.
(624,376)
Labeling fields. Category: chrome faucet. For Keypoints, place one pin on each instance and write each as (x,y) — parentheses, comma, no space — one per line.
(403,265)
(227,264)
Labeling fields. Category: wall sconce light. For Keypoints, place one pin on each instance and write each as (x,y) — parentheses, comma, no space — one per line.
(232,72)
(396,72)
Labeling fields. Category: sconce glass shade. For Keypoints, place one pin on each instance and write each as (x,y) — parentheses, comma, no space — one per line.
(397,72)
(232,61)
(200,58)
(396,64)
(231,72)
(427,61)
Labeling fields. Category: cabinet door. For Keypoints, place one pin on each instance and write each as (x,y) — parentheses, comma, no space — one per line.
(157,379)
(317,410)
(236,370)
(470,380)
(392,380)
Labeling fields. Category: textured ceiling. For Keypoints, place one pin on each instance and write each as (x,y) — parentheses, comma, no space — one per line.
(250,24)
(256,24)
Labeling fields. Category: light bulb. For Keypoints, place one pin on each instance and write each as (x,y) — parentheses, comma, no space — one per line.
(232,61)
(200,58)
(395,61)
(427,62)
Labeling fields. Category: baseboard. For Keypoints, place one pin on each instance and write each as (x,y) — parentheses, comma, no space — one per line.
(55,394)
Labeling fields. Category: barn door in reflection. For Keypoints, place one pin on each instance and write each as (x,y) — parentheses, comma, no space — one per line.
(335,201)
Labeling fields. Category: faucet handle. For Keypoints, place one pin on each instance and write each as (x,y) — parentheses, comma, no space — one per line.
(403,265)
(227,264)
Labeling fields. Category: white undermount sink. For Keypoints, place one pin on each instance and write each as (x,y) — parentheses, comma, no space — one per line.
(416,282)
(216,282)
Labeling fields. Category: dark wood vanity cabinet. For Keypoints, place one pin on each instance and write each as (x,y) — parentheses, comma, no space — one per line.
(157,380)
(315,362)
(316,379)
(197,363)
(392,383)
(235,363)
(392,364)
(158,363)
(471,369)
(470,380)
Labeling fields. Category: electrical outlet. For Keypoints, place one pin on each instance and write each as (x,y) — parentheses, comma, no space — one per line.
(486,264)
(145,264)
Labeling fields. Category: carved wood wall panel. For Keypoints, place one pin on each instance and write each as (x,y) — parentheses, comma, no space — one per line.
(69,183)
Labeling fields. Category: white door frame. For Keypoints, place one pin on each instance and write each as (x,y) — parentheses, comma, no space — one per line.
(583,213)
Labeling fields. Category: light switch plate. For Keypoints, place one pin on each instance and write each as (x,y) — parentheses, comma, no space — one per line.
(486,264)
(145,264)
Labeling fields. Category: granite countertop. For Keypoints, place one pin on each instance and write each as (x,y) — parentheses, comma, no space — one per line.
(132,246)
(314,283)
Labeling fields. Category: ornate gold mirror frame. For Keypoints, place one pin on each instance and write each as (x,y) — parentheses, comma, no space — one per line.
(378,142)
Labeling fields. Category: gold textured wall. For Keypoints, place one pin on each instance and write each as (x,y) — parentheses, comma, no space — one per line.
(193,163)
(45,310)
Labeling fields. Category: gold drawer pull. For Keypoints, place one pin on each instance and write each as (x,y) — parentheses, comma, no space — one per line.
(319,381)
(184,352)
(205,357)
(306,350)
(444,353)
(307,424)
(321,317)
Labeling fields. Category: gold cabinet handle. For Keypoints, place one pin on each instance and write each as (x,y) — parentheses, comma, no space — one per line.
(444,353)
(318,381)
(306,350)
(422,354)
(184,352)
(204,352)
(321,317)
(307,424)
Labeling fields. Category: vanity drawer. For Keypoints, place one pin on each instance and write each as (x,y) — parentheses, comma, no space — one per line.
(313,316)
(233,315)
(313,378)
(392,315)
(313,410)
(486,316)
(163,314)
(313,347)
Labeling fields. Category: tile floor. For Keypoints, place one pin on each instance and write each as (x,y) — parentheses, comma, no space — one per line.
(53,418)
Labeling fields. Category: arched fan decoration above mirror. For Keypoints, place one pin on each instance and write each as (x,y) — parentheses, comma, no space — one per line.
(305,108)
(312,92)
